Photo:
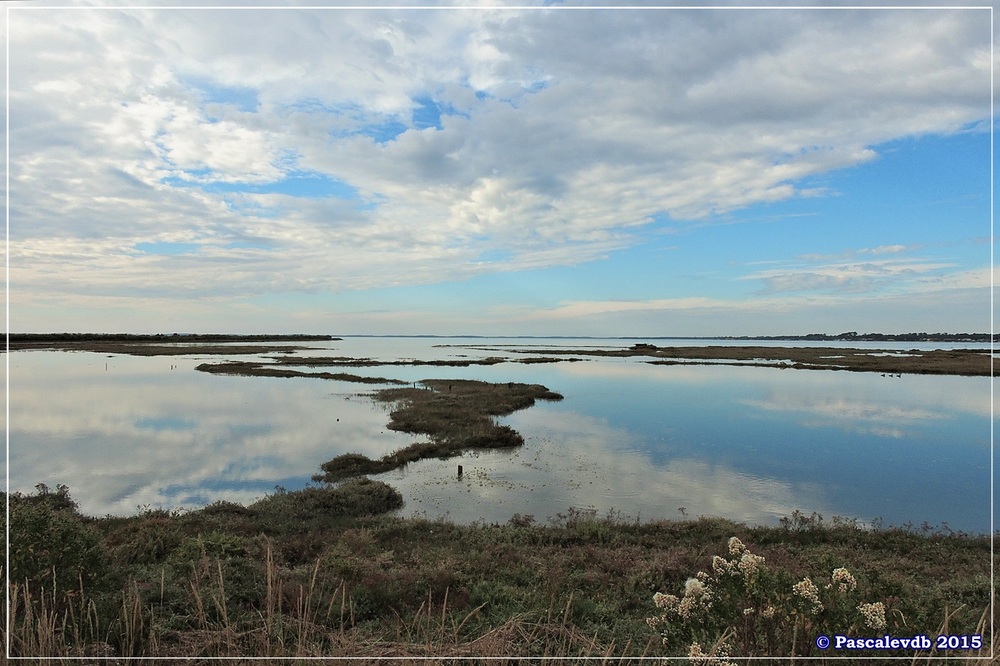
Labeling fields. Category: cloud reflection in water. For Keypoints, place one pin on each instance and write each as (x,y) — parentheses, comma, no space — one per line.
(751,444)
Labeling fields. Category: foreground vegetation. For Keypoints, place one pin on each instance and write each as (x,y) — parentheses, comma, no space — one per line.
(324,572)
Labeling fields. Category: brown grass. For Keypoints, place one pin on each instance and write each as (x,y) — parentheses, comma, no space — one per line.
(288,578)
(296,621)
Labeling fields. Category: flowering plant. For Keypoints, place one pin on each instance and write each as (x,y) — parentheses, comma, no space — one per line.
(741,606)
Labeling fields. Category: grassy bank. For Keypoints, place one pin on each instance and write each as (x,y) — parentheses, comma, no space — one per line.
(457,414)
(323,572)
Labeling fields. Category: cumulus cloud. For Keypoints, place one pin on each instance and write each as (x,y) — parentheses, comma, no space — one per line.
(547,137)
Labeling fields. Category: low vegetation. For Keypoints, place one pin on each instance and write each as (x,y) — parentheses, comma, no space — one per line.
(457,414)
(973,362)
(276,368)
(323,572)
(159,344)
(59,338)
(315,361)
(255,369)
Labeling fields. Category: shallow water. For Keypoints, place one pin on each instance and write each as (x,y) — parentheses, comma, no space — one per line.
(748,443)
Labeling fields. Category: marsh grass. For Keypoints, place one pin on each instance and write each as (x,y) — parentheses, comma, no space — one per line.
(259,369)
(346,361)
(457,414)
(299,617)
(294,576)
(915,361)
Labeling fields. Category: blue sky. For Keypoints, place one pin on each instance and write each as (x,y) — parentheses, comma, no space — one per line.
(503,171)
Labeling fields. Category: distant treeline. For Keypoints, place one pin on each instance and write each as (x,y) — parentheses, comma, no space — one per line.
(854,336)
(159,337)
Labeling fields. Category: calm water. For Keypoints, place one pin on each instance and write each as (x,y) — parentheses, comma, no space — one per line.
(747,443)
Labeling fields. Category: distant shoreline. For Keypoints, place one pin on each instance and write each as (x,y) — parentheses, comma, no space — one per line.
(973,362)
(869,337)
(158,345)
(22,338)
(814,337)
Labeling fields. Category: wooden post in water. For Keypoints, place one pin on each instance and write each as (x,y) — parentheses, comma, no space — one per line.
(460,471)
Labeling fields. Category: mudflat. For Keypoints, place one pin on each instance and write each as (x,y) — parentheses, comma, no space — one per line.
(160,345)
(912,361)
(973,362)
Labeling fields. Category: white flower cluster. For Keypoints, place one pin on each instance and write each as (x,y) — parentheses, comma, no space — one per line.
(694,587)
(874,614)
(750,564)
(721,565)
(697,595)
(734,575)
(807,589)
(843,580)
(699,658)
(744,563)
(667,602)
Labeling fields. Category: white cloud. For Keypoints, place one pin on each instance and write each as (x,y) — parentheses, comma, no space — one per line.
(156,440)
(588,308)
(569,464)
(563,132)
(887,249)
(851,276)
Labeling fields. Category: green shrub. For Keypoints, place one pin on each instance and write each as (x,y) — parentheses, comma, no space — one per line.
(215,545)
(356,497)
(147,540)
(349,465)
(224,508)
(51,543)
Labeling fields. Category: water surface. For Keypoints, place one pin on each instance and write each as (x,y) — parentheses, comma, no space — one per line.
(747,443)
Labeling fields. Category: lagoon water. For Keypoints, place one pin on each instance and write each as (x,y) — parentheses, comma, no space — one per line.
(643,441)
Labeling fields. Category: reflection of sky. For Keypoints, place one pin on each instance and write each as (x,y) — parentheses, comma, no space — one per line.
(751,444)
(577,461)
(853,444)
(139,433)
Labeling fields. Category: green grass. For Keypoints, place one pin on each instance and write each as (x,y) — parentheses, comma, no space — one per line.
(323,572)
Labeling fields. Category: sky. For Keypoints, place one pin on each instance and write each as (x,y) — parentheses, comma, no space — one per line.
(542,170)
